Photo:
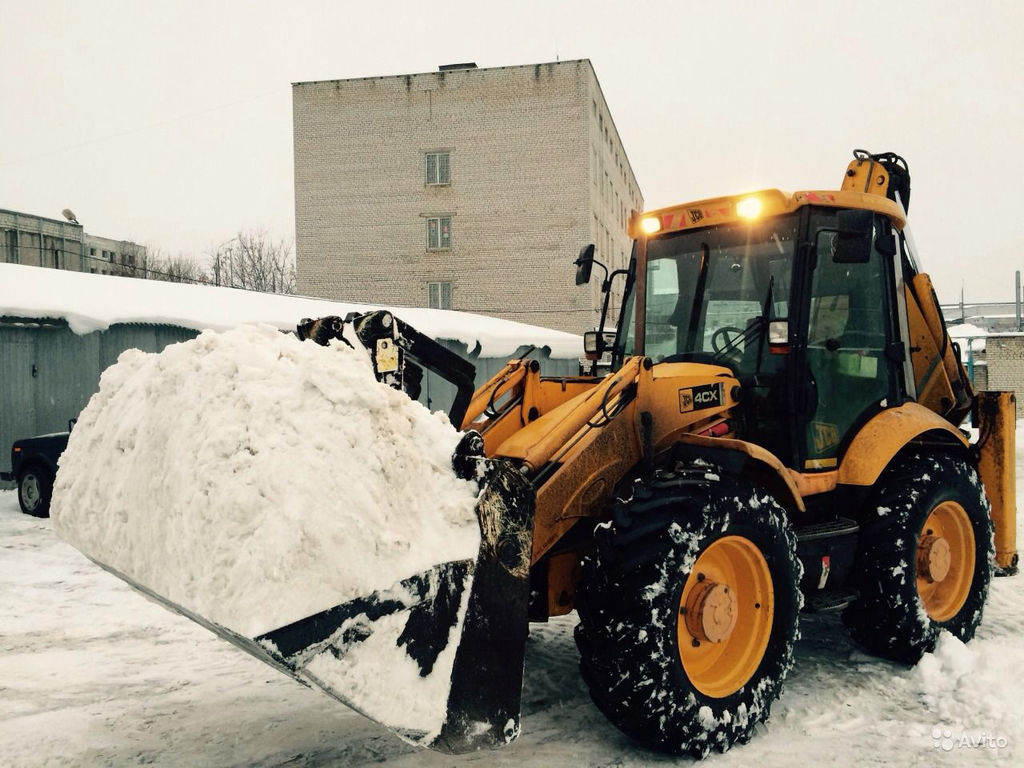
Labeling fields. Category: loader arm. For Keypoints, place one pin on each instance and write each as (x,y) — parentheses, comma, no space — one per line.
(399,353)
(518,395)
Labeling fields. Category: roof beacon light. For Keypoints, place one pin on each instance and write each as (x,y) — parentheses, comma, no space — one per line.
(650,225)
(749,207)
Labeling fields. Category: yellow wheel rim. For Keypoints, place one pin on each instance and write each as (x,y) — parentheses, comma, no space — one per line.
(945,561)
(725,616)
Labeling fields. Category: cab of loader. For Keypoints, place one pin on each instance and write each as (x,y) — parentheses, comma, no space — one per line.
(805,299)
(810,354)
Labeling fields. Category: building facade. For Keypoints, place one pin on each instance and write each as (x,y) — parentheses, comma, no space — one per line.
(468,189)
(39,241)
(106,256)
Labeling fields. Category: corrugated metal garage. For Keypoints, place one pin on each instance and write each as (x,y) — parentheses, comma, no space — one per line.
(48,372)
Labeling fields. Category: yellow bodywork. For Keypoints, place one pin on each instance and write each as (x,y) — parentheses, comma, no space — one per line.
(887,434)
(587,436)
(939,378)
(996,415)
(774,202)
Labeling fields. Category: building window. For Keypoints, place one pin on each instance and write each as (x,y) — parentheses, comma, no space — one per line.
(439,233)
(439,295)
(439,168)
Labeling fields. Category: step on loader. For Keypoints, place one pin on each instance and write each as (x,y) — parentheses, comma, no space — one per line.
(782,430)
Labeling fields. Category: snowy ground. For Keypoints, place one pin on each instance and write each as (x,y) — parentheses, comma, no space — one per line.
(93,674)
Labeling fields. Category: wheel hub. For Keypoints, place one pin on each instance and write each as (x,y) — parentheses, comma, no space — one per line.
(934,558)
(30,491)
(711,612)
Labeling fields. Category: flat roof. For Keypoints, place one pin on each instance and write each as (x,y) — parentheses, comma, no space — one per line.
(41,218)
(444,72)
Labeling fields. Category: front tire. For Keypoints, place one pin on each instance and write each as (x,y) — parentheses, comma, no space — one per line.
(925,559)
(35,487)
(688,612)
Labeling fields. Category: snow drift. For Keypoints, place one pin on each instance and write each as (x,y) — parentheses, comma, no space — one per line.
(254,479)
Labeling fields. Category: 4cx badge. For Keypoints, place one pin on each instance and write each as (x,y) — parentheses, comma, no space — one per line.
(697,398)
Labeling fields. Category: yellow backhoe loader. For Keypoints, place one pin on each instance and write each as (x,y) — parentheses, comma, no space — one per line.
(782,429)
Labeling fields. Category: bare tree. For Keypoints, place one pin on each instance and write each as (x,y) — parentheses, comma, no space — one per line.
(175,269)
(255,261)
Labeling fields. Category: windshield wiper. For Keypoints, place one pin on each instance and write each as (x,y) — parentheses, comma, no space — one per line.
(698,295)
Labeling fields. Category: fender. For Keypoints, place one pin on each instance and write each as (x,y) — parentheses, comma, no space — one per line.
(774,474)
(885,435)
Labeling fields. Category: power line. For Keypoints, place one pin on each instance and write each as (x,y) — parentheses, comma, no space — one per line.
(124,269)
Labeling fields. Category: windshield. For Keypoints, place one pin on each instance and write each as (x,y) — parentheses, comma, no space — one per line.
(711,292)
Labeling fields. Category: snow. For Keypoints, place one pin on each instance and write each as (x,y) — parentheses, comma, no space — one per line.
(95,302)
(965,331)
(394,693)
(91,674)
(260,479)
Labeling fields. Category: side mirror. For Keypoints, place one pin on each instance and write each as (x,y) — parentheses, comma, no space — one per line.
(584,264)
(853,240)
(595,343)
(778,337)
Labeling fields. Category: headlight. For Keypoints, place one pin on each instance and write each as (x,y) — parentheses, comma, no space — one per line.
(749,207)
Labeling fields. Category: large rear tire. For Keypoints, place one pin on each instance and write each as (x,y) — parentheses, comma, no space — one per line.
(925,558)
(688,612)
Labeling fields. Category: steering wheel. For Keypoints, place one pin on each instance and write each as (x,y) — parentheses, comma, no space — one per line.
(725,338)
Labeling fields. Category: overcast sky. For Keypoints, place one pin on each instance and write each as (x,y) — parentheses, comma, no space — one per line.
(169,123)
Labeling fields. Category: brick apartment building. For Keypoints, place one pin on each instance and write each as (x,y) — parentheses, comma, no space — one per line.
(466,188)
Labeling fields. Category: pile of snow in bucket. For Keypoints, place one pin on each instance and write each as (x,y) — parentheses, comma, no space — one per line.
(254,479)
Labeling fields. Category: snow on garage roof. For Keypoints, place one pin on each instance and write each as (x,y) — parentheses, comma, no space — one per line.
(95,302)
(964,331)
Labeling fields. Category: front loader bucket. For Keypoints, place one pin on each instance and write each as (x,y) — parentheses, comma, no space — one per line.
(437,658)
(358,570)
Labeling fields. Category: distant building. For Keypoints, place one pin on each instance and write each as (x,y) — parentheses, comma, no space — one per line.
(114,257)
(993,316)
(39,241)
(469,189)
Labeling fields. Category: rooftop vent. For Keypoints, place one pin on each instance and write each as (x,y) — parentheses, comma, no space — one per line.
(450,67)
